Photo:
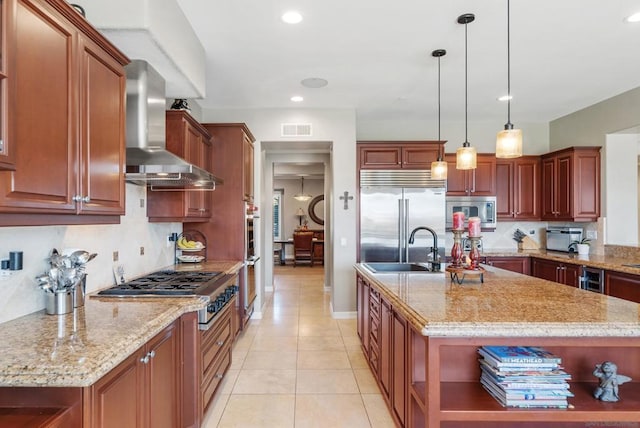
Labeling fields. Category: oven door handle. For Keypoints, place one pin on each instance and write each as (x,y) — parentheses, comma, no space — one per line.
(252,261)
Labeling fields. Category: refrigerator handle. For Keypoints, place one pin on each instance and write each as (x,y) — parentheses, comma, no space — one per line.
(406,231)
(401,243)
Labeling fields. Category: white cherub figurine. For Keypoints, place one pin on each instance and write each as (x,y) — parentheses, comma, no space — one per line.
(607,372)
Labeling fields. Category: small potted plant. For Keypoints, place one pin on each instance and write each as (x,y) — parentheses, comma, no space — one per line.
(582,246)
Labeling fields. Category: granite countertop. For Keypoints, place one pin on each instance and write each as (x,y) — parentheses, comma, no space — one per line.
(79,348)
(592,260)
(506,304)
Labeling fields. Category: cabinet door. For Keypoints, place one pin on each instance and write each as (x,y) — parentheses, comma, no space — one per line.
(545,269)
(526,188)
(194,147)
(118,399)
(571,275)
(419,156)
(44,114)
(363,313)
(6,150)
(380,157)
(504,190)
(102,128)
(163,379)
(483,178)
(400,374)
(564,188)
(548,189)
(513,264)
(456,178)
(247,181)
(623,285)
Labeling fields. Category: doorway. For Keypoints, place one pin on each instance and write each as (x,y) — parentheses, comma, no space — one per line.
(282,166)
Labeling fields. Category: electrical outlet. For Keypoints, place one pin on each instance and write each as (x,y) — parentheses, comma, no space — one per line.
(532,232)
(142,251)
(115,256)
(592,234)
(141,203)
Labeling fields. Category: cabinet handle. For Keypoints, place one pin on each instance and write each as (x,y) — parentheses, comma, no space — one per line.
(220,343)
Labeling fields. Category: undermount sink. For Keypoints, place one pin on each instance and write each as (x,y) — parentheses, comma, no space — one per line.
(399,267)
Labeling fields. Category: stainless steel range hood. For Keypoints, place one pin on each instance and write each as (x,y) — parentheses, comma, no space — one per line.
(148,160)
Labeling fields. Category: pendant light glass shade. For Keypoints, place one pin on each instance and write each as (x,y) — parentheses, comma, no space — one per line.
(509,141)
(302,197)
(439,167)
(439,170)
(466,155)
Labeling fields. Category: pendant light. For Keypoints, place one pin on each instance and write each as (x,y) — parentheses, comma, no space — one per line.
(439,167)
(509,141)
(466,155)
(302,197)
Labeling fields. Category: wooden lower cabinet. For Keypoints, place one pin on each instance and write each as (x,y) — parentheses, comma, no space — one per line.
(385,350)
(513,264)
(143,390)
(363,312)
(623,285)
(444,390)
(215,348)
(564,273)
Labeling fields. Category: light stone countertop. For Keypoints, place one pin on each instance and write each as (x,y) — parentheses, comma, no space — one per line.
(591,260)
(79,348)
(507,304)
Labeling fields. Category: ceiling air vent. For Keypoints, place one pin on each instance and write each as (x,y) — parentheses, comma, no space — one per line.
(295,130)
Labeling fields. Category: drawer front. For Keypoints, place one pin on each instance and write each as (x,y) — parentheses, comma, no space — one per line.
(212,378)
(214,344)
(374,295)
(375,330)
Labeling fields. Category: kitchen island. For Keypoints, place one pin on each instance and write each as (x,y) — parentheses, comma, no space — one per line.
(56,361)
(420,334)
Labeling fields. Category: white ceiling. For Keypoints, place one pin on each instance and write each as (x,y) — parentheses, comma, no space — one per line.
(376,55)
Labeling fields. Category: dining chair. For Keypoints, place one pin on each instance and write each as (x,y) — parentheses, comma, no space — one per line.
(302,248)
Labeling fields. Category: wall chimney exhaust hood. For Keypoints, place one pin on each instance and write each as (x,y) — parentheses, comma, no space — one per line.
(148,160)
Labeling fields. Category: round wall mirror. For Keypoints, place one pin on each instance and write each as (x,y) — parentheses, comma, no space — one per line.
(316,209)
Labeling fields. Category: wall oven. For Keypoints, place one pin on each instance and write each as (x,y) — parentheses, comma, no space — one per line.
(249,293)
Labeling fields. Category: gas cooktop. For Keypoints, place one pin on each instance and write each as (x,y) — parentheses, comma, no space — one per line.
(165,283)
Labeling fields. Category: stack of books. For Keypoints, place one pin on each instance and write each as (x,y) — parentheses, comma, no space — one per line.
(524,376)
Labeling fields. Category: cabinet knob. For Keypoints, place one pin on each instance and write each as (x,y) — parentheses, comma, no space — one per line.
(76,198)
(145,359)
(219,376)
(86,199)
(152,354)
(220,342)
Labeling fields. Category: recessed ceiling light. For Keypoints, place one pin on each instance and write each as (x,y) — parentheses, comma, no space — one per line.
(505,98)
(633,18)
(297,99)
(314,82)
(292,17)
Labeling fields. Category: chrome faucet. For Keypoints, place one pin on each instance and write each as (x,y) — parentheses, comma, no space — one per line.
(435,265)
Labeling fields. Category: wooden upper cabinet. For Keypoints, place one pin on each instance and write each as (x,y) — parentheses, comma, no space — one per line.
(398,154)
(191,141)
(6,151)
(518,188)
(571,184)
(247,165)
(66,126)
(476,182)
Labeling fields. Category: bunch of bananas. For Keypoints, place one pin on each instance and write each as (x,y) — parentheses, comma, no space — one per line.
(185,244)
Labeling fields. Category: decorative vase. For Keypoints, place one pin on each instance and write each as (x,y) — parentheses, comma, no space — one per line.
(583,249)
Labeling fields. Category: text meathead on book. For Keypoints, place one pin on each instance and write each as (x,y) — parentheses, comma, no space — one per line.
(522,376)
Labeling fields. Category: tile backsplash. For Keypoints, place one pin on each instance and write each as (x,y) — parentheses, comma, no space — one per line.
(21,294)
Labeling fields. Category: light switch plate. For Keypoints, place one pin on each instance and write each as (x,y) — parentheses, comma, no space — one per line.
(592,234)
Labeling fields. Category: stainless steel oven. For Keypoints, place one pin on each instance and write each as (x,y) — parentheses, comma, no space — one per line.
(248,281)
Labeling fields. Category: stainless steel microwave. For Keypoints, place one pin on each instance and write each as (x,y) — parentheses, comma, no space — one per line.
(472,206)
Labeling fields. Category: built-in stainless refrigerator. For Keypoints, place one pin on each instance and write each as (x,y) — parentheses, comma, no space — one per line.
(394,203)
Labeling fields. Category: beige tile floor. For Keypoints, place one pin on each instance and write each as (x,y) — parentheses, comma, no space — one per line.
(298,367)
